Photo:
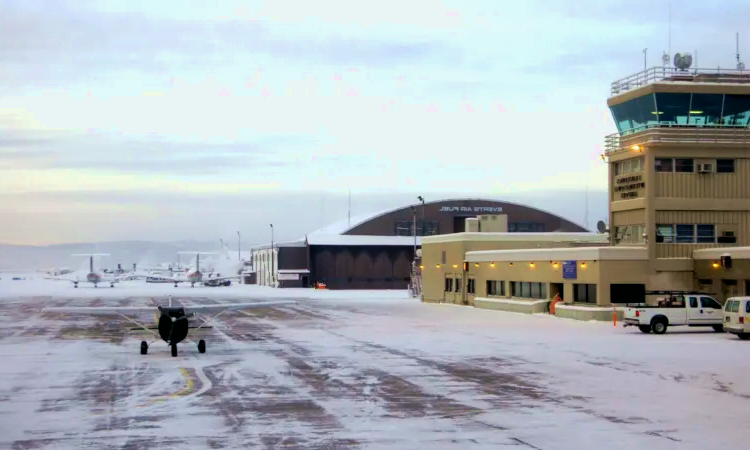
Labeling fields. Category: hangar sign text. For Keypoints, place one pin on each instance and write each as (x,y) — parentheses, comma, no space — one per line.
(472,209)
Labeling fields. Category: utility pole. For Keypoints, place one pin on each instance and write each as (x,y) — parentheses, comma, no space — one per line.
(645,60)
(239,247)
(421,199)
(414,217)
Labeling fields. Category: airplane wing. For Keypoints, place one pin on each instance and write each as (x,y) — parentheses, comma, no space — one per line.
(101,310)
(234,306)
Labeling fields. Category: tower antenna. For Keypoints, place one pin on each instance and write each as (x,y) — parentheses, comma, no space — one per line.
(586,208)
(740,64)
(669,30)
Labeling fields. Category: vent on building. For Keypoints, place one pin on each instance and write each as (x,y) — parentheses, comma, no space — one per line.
(705,168)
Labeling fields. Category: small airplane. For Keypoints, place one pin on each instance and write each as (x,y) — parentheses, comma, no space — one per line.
(92,276)
(173,323)
(192,276)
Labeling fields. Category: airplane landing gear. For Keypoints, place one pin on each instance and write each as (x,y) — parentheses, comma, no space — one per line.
(144,348)
(111,285)
(174,349)
(95,285)
(75,285)
(201,346)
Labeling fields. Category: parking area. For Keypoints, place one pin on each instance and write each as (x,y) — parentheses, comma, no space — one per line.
(364,372)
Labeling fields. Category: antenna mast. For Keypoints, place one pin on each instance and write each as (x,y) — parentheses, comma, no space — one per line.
(740,64)
(586,208)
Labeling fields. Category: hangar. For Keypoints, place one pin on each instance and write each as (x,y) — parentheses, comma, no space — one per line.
(376,251)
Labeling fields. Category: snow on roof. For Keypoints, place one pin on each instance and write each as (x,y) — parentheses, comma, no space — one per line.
(332,239)
(345,225)
(342,226)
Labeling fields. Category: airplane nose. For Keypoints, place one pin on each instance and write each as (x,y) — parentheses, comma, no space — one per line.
(174,319)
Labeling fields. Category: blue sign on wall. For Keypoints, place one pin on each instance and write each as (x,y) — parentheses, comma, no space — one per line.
(569,270)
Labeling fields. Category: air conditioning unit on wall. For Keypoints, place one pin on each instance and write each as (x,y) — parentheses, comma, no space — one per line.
(705,168)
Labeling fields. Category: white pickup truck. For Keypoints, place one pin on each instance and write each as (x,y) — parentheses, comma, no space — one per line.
(676,309)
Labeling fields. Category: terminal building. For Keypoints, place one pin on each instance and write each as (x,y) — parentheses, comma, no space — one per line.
(377,251)
(679,210)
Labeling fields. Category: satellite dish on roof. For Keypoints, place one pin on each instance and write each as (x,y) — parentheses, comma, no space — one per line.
(683,60)
(601,226)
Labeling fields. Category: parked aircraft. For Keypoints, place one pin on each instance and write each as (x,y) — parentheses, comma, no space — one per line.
(173,323)
(192,276)
(92,276)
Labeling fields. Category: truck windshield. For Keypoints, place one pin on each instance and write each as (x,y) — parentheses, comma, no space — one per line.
(708,302)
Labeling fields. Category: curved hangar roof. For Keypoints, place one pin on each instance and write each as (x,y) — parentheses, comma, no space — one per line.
(444,212)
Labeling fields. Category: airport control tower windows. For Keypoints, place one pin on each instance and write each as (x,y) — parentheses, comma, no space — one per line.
(736,110)
(635,114)
(673,109)
(705,109)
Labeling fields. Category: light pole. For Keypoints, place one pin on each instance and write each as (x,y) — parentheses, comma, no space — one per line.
(421,199)
(239,247)
(272,277)
(414,217)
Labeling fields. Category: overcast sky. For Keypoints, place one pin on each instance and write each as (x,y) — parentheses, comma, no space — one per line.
(163,119)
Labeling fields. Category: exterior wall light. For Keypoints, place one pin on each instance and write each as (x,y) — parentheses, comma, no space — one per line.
(583,265)
(476,264)
(492,264)
(636,148)
(421,266)
(531,264)
(437,266)
(455,266)
(715,265)
(554,265)
(511,264)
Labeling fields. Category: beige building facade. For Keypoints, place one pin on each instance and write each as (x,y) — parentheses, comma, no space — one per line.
(679,204)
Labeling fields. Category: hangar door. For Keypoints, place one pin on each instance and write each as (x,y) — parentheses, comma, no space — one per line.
(627,293)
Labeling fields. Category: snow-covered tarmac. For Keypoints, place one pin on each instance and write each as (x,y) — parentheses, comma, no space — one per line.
(358,370)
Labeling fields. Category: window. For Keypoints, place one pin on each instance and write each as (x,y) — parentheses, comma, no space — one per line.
(635,114)
(747,307)
(458,285)
(632,234)
(706,281)
(705,234)
(708,302)
(665,234)
(584,293)
(683,165)
(684,234)
(633,165)
(442,257)
(525,289)
(495,287)
(673,109)
(470,286)
(693,302)
(725,166)
(527,227)
(406,228)
(736,110)
(664,165)
(448,284)
(705,109)
(731,305)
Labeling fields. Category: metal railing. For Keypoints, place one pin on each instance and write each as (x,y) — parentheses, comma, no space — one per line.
(690,134)
(671,74)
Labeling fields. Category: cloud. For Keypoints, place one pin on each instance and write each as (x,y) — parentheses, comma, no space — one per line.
(40,150)
(57,44)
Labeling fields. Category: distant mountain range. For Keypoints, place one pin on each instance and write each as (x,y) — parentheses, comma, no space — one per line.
(143,253)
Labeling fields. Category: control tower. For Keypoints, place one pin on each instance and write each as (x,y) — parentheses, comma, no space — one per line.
(679,169)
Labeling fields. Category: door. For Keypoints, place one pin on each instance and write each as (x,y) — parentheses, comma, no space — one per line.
(458,288)
(448,288)
(712,312)
(694,311)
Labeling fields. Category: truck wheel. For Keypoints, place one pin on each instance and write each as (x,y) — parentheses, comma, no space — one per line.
(718,328)
(744,336)
(659,325)
(645,328)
